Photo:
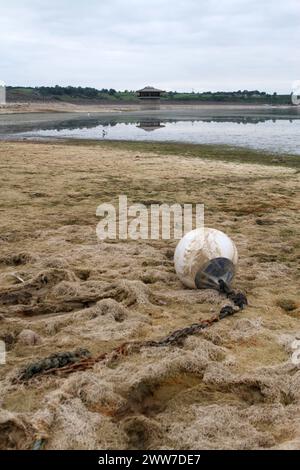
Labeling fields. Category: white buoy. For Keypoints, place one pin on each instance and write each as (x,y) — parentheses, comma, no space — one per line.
(203,257)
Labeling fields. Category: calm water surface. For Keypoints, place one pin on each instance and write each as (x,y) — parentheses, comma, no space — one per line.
(272,130)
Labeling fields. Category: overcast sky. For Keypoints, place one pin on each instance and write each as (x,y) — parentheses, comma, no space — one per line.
(171,44)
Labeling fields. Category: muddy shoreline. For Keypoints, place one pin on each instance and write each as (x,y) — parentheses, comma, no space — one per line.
(51,106)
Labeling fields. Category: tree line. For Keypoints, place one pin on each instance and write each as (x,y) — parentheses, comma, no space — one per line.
(70,93)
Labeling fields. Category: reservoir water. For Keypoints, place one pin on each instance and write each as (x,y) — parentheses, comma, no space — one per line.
(275,130)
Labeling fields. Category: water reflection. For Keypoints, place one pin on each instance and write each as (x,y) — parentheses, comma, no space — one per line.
(150,125)
(147,124)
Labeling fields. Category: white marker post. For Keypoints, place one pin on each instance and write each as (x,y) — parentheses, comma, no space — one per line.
(296,93)
(2,93)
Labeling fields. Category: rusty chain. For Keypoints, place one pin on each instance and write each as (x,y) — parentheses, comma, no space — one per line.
(81,359)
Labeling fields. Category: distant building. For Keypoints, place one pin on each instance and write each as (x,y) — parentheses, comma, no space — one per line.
(149,93)
(2,93)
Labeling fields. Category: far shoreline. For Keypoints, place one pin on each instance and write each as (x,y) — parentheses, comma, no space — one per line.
(103,107)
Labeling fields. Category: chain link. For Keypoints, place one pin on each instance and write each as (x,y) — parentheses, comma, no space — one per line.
(175,338)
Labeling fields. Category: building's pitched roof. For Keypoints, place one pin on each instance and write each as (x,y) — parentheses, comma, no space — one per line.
(149,89)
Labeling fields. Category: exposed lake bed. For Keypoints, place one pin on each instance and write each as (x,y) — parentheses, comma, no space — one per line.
(65,290)
(233,386)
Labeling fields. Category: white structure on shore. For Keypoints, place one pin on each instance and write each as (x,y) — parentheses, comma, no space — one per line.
(2,93)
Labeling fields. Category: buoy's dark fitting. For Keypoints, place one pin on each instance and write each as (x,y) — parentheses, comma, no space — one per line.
(209,276)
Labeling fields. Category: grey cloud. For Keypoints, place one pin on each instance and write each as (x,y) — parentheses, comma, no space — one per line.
(226,44)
